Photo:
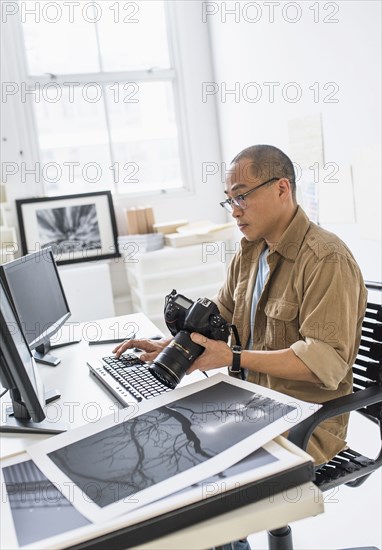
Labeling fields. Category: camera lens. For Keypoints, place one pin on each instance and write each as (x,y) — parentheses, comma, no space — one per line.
(174,361)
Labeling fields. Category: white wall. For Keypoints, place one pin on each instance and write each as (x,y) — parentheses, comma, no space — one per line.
(346,53)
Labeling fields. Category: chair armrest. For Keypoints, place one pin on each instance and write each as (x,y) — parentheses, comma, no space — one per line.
(300,434)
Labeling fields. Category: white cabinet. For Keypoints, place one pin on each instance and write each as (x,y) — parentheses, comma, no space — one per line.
(88,291)
(189,270)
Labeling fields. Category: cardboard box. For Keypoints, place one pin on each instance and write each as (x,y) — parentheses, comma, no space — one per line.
(131,221)
(140,220)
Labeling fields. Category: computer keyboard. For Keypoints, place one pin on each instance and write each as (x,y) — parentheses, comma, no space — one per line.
(127,377)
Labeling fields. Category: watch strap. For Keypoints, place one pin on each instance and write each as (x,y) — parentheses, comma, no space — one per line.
(236,357)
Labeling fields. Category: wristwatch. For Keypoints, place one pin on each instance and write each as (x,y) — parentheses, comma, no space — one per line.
(236,355)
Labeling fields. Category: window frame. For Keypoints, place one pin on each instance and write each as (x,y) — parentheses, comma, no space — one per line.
(198,127)
(106,78)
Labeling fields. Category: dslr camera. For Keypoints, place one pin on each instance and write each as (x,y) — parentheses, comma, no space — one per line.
(182,317)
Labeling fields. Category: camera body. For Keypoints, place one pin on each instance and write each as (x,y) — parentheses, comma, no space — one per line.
(181,313)
(184,316)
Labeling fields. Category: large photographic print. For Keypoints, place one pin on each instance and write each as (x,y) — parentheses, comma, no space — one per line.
(26,484)
(165,445)
(79,228)
(164,442)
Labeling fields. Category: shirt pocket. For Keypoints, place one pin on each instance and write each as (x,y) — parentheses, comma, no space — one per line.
(282,328)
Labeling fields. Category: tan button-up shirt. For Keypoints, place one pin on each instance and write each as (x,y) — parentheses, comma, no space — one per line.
(313,302)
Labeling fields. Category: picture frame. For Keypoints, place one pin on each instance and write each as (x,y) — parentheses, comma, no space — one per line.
(79,228)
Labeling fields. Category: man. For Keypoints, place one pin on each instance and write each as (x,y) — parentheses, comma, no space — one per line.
(293,290)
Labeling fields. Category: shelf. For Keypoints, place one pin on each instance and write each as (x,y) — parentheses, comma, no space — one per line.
(180,279)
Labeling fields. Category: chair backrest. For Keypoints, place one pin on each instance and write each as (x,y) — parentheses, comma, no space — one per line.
(350,467)
(367,369)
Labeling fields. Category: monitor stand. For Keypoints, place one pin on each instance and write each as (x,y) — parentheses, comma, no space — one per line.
(16,425)
(13,424)
(41,354)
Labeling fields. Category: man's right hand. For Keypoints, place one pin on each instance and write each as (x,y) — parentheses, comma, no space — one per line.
(151,348)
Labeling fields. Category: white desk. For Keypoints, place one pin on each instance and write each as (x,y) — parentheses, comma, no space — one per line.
(264,515)
(84,399)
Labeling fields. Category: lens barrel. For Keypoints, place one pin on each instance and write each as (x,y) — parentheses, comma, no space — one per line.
(174,361)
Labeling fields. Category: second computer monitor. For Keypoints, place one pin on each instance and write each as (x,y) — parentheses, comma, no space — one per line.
(34,286)
(17,369)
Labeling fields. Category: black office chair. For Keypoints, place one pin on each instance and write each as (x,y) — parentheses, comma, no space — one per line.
(349,467)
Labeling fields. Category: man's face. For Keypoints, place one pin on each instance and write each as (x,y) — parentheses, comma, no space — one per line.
(261,216)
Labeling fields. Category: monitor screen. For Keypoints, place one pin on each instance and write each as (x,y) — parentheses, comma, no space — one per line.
(18,372)
(34,287)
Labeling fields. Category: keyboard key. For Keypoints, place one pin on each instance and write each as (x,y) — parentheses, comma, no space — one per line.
(133,375)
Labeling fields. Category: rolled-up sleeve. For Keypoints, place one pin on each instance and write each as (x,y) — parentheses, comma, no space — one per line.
(323,360)
(331,316)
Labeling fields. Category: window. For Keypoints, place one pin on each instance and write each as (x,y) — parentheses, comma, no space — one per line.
(104,94)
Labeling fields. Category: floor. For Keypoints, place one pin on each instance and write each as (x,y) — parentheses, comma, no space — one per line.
(352,517)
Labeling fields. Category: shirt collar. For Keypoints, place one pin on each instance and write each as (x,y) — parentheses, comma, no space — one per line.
(291,240)
(293,237)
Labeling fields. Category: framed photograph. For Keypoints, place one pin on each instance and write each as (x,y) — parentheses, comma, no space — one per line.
(79,228)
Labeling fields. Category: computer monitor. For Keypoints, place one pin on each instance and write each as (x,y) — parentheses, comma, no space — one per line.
(18,374)
(34,287)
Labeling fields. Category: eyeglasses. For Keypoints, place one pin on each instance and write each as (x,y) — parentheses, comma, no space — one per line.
(239,200)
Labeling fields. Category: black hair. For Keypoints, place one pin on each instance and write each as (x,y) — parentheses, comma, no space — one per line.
(268,162)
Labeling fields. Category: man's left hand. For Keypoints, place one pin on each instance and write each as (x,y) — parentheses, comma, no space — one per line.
(216,354)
